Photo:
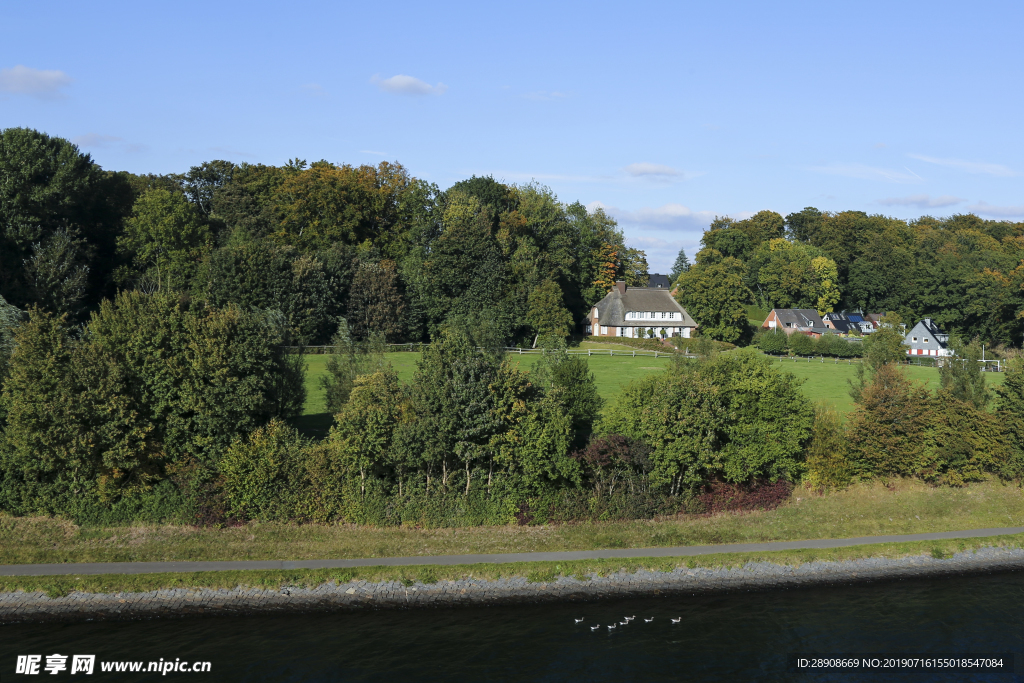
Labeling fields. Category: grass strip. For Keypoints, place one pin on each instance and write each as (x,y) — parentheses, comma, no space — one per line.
(537,572)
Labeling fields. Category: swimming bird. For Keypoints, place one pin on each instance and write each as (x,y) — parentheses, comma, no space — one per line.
(611,627)
(623,623)
(677,620)
(579,620)
(648,620)
(594,628)
(630,618)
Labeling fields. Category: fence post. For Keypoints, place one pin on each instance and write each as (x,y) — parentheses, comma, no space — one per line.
(589,351)
(634,353)
(655,354)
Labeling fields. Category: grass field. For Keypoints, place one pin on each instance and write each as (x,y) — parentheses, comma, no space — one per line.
(611,374)
(827,381)
(823,381)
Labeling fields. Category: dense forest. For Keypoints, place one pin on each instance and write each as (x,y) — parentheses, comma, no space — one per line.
(149,328)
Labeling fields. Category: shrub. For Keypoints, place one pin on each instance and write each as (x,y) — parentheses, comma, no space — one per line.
(888,429)
(261,472)
(720,496)
(801,344)
(828,465)
(773,341)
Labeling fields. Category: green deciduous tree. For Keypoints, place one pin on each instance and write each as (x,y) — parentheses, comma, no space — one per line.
(712,291)
(961,376)
(733,417)
(167,236)
(546,313)
(376,305)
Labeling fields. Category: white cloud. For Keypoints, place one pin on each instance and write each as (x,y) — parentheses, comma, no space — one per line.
(95,140)
(998,211)
(968,166)
(865,172)
(644,168)
(921,201)
(407,85)
(35,82)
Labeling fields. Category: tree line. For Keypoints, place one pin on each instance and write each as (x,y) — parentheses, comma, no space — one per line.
(392,254)
(964,272)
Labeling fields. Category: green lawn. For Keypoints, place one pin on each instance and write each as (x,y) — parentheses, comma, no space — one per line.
(827,381)
(611,373)
(824,381)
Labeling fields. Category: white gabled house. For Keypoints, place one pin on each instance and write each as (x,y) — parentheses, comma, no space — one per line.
(631,311)
(925,339)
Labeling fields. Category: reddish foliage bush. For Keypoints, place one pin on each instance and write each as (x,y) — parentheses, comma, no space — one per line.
(720,496)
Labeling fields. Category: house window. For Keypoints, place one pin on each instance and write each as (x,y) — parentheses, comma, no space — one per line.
(672,315)
(595,311)
(663,314)
(926,340)
(604,330)
(914,339)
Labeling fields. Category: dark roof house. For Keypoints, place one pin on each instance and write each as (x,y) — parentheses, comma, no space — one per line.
(926,339)
(795,320)
(657,281)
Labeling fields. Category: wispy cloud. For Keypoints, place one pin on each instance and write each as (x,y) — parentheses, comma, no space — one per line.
(45,85)
(229,152)
(545,95)
(408,85)
(664,217)
(95,140)
(644,168)
(865,172)
(921,201)
(978,167)
(313,89)
(998,211)
(100,141)
(517,176)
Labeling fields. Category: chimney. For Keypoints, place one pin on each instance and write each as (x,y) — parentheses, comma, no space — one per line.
(621,286)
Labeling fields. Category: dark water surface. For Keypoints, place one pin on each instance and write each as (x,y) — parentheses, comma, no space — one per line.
(735,637)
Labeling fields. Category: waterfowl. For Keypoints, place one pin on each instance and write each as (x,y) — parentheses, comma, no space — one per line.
(648,620)
(677,620)
(579,620)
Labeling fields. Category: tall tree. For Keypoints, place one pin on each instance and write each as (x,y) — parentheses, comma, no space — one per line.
(712,291)
(681,265)
(166,237)
(376,304)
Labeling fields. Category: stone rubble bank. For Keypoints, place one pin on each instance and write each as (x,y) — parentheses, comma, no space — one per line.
(37,606)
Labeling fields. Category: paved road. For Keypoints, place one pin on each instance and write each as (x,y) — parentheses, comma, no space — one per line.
(683,551)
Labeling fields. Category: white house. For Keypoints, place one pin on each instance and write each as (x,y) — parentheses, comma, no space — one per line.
(927,340)
(632,311)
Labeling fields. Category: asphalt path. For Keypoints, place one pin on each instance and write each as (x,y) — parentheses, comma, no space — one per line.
(561,556)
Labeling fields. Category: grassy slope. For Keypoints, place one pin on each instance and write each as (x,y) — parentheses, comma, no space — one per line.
(862,510)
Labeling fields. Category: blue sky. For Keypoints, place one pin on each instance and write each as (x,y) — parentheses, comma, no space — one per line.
(666,114)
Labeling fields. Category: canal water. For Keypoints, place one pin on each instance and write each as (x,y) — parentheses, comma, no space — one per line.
(736,637)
